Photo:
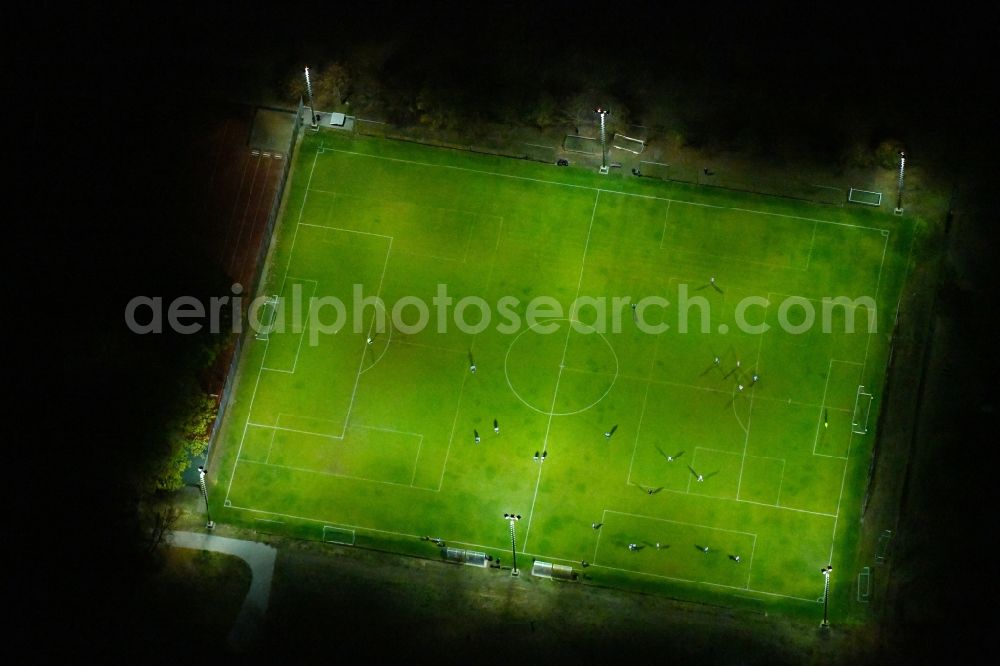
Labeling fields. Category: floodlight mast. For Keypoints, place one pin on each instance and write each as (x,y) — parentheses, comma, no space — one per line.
(602,113)
(899,186)
(512,518)
(204,493)
(312,108)
(826,595)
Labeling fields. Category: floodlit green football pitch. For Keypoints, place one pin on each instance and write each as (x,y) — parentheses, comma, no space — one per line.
(332,437)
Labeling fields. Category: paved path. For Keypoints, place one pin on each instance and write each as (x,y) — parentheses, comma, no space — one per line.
(261,560)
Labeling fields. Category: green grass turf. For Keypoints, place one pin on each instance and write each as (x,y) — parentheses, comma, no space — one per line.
(327,431)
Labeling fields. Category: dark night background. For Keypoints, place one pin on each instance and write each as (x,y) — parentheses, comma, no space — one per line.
(98,88)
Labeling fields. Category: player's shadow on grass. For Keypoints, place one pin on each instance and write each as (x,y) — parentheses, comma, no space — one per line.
(710,283)
(667,457)
(701,477)
(713,366)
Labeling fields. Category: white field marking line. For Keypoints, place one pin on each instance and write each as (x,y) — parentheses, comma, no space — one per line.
(475,217)
(298,222)
(753,549)
(853,306)
(635,447)
(705,448)
(416,459)
(305,329)
(765,457)
(746,501)
(302,333)
(357,377)
(350,231)
(323,150)
(466,373)
(864,365)
(746,441)
(260,370)
(784,507)
(681,522)
(666,219)
(777,501)
(381,429)
(614,378)
(326,436)
(809,219)
(494,548)
(812,244)
(737,256)
(419,436)
(386,200)
(435,257)
(743,427)
(362,528)
(468,239)
(420,443)
(246,425)
(781,482)
(323,521)
(597,546)
(454,426)
(306,470)
(274,433)
(388,340)
(819,423)
(295,430)
(593,189)
(562,366)
(705,582)
(694,455)
(408,343)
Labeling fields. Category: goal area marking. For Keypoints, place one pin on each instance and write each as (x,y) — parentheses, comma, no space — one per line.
(864,585)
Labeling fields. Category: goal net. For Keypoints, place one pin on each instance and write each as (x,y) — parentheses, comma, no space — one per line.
(338,535)
(622,142)
(862,410)
(263,322)
(865,197)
